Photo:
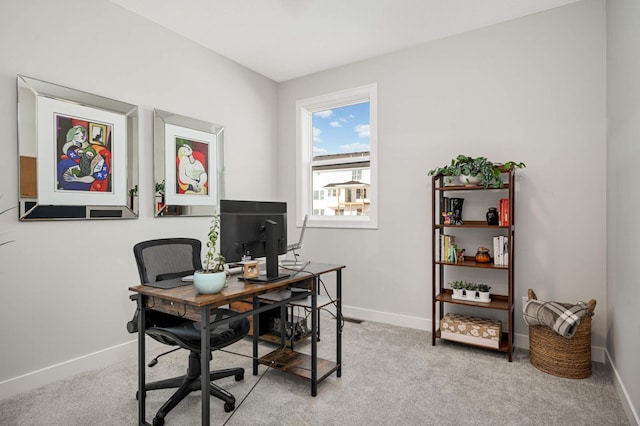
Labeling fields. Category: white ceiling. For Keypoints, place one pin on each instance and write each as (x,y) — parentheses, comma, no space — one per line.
(285,39)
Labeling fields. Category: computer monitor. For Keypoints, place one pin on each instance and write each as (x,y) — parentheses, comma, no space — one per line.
(255,229)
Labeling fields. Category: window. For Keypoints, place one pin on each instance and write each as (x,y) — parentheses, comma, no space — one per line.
(337,154)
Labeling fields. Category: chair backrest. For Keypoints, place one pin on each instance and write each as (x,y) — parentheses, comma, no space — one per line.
(167,258)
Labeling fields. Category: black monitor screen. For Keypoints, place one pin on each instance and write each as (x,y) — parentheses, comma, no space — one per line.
(254,228)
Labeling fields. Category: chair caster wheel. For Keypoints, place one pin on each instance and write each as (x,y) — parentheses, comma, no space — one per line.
(157,421)
(239,377)
(229,407)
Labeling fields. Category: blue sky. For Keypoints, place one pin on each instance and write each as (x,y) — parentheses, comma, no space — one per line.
(341,130)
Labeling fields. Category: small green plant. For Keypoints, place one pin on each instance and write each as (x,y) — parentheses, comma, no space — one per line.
(133,191)
(456,285)
(484,288)
(486,170)
(470,286)
(160,188)
(213,261)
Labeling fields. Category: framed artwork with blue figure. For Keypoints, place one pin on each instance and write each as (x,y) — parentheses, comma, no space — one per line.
(77,154)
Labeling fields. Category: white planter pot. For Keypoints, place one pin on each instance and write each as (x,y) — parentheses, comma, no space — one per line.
(457,294)
(470,294)
(209,283)
(470,180)
(483,296)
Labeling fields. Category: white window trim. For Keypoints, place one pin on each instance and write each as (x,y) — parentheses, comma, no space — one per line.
(304,132)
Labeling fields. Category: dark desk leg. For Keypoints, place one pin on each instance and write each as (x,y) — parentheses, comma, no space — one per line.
(314,336)
(339,322)
(205,350)
(256,333)
(141,364)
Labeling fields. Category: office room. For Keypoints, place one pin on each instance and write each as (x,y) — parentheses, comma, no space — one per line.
(557,89)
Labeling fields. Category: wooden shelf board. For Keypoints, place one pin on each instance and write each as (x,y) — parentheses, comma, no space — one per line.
(472,224)
(470,262)
(297,363)
(497,301)
(504,342)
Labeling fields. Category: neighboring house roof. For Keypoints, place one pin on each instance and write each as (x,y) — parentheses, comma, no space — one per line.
(347,183)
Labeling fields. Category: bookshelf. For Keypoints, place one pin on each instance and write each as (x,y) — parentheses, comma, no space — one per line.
(442,265)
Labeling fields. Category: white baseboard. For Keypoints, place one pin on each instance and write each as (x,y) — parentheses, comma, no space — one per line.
(72,367)
(629,409)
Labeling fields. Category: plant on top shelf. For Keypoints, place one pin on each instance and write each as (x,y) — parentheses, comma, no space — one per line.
(488,171)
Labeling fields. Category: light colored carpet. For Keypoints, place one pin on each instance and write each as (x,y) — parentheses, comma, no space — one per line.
(391,376)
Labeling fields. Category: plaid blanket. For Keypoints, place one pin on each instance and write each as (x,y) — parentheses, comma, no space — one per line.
(563,319)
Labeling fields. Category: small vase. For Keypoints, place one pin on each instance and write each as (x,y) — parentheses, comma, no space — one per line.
(482,256)
(492,216)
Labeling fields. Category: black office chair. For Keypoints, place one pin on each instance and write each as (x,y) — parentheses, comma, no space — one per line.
(169,258)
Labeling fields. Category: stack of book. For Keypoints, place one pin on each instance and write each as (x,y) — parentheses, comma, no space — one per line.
(448,248)
(501,250)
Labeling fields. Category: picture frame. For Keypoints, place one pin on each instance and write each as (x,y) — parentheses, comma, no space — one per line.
(250,270)
(77,154)
(188,165)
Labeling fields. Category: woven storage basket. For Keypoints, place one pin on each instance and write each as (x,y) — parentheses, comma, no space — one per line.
(560,356)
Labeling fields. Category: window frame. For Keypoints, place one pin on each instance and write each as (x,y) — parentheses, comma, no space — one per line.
(305,108)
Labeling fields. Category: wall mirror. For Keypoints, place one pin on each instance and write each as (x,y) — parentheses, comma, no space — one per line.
(188,165)
(77,154)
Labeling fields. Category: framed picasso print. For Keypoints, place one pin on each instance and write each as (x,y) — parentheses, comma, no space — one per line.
(188,165)
(77,154)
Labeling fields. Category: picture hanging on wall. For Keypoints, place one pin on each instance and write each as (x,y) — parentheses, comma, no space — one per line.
(188,164)
(77,153)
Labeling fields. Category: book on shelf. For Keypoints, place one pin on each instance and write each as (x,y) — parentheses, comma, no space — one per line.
(503,212)
(448,248)
(501,250)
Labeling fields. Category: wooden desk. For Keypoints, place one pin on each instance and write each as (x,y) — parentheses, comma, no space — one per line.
(186,302)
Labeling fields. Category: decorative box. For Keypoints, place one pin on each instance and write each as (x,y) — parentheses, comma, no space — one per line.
(473,330)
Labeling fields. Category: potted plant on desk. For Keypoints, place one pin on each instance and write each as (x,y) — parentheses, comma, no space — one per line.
(212,278)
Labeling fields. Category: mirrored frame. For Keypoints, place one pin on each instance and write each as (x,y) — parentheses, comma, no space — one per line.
(179,143)
(42,106)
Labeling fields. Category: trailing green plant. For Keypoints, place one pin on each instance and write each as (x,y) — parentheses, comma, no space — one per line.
(488,171)
(484,288)
(133,191)
(213,261)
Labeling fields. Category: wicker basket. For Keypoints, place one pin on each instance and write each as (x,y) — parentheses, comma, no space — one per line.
(557,355)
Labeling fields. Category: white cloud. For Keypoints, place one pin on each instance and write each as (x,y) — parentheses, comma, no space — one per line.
(342,119)
(335,124)
(318,151)
(362,130)
(316,135)
(356,146)
(323,114)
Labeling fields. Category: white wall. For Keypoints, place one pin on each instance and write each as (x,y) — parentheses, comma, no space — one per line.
(64,284)
(623,155)
(530,90)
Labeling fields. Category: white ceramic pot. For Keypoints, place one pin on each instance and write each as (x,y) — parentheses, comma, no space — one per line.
(470,180)
(457,293)
(483,296)
(470,294)
(209,283)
